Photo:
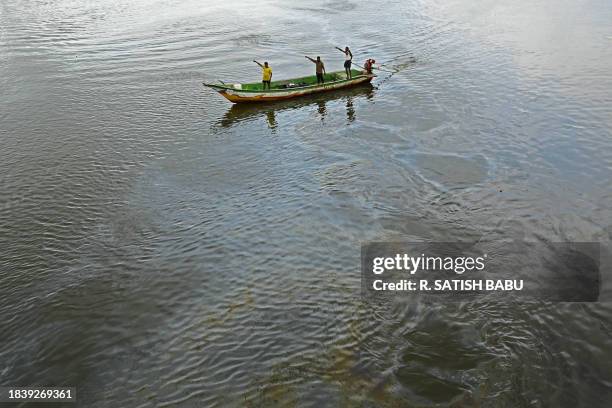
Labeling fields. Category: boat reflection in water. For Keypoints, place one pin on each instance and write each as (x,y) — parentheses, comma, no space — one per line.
(246,112)
(321,109)
(350,110)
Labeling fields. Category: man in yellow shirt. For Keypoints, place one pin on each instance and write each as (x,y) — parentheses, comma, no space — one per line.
(266,74)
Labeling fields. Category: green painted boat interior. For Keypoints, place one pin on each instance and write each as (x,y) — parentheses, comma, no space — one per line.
(300,82)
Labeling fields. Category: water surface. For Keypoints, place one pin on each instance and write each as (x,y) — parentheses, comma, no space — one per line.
(161,247)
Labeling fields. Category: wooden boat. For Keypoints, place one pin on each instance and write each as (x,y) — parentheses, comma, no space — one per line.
(290,88)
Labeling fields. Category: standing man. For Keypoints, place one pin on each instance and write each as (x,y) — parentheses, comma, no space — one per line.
(348,60)
(266,74)
(320,69)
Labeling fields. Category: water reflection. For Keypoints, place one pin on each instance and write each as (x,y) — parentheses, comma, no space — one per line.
(271,118)
(321,109)
(350,110)
(245,112)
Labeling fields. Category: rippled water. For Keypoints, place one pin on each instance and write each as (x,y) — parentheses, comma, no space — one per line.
(161,247)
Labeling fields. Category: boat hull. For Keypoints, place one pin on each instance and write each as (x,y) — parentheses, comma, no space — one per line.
(245,96)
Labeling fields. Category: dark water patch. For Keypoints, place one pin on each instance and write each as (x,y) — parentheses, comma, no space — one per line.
(452,171)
